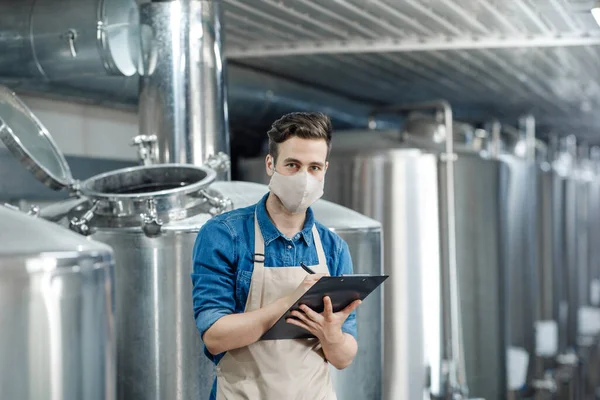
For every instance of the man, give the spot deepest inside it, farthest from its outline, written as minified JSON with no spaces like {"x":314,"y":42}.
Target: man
{"x":247,"y":274}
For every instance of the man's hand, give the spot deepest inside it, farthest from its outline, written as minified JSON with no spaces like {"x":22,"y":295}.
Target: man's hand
{"x":339,"y":347}
{"x":327,"y":326}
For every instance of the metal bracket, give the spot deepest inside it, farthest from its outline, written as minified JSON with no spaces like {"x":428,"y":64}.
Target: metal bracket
{"x":80,"y":225}
{"x":151,"y":224}
{"x":147,"y":148}
{"x":219,"y":162}
{"x":34,"y":211}
{"x":219,"y":204}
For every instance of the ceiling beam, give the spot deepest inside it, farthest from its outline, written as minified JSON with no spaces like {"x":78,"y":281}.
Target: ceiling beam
{"x":360,"y":46}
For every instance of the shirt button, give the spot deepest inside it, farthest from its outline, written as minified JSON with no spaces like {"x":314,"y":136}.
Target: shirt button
{"x":289,"y":246}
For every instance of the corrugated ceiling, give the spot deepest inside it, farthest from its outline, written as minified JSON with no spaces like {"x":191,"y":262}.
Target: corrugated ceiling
{"x":489,"y":58}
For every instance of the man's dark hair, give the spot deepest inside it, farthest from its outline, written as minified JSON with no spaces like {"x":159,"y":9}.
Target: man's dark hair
{"x":304,"y":125}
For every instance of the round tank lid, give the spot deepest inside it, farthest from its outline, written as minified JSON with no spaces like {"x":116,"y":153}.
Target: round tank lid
{"x":23,"y":235}
{"x":26,"y":137}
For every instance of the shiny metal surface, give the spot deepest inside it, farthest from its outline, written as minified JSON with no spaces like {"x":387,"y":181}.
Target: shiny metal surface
{"x":454,"y":382}
{"x":56,"y":313}
{"x":412,"y":334}
{"x":182,"y":91}
{"x":583,"y":179}
{"x":570,"y":269}
{"x":29,"y":141}
{"x":174,"y":189}
{"x":517,"y":222}
{"x":69,"y":38}
{"x":594,"y":220}
{"x":542,"y":52}
{"x":160,"y":353}
{"x":370,"y":172}
{"x":425,"y":131}
{"x":551,"y":323}
{"x":253,"y":98}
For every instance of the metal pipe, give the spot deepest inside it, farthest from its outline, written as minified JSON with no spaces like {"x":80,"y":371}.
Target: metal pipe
{"x":456,"y":374}
{"x":494,"y":129}
{"x":182,"y":93}
{"x":65,"y":39}
{"x":527,"y":127}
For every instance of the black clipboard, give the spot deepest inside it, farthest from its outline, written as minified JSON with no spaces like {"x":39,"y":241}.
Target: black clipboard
{"x":342,"y":290}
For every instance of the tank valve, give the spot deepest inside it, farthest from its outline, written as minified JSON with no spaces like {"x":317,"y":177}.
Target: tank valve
{"x":151,"y":224}
{"x":547,"y":384}
{"x":219,"y":162}
{"x":147,"y":149}
{"x":80,"y":225}
{"x":219,"y":204}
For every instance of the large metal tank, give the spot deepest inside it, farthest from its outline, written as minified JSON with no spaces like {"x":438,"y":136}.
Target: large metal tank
{"x":57,"y":324}
{"x":385,"y":175}
{"x":518,"y":206}
{"x":586,"y":315}
{"x":551,"y":324}
{"x":150,"y":216}
{"x":594,"y":266}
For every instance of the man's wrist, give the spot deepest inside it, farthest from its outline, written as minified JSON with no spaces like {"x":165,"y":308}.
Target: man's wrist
{"x":334,"y":340}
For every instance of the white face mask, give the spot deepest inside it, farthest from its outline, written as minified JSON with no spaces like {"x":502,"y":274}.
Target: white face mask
{"x":297,"y":192}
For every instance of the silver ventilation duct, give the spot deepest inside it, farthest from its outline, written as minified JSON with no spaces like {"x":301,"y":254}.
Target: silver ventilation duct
{"x":182,"y":93}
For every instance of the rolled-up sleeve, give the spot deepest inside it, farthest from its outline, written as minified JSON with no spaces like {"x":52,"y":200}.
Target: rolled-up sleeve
{"x":344,"y":267}
{"x":213,"y":274}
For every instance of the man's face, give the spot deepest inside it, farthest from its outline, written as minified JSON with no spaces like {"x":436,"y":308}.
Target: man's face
{"x":298,"y":155}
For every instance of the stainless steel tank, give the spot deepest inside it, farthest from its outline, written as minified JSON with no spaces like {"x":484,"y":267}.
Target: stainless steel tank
{"x":586,"y":315}
{"x":593,"y":376}
{"x":54,"y":40}
{"x":150,"y":216}
{"x":384,"y":175}
{"x":518,"y":206}
{"x":567,"y":221}
{"x":57,"y":326}
{"x":551,"y":322}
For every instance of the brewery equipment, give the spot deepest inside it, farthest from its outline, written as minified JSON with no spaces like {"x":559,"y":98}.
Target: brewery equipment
{"x":400,"y":178}
{"x":150,"y":216}
{"x":57,"y":321}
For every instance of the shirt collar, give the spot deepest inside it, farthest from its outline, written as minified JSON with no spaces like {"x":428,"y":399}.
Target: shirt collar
{"x":270,"y":231}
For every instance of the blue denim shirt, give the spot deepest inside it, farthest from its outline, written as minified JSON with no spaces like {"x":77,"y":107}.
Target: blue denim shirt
{"x":223,"y":264}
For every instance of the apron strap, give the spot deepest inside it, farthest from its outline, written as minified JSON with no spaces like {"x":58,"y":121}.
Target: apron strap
{"x":255,"y":294}
{"x":319,"y":246}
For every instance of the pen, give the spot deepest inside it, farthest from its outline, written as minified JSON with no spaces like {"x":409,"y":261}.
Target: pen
{"x":304,"y":267}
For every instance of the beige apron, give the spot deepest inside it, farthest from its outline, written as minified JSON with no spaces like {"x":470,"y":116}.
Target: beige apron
{"x":276,"y":369}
